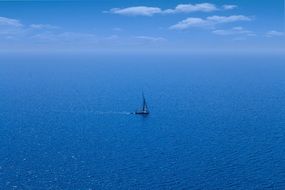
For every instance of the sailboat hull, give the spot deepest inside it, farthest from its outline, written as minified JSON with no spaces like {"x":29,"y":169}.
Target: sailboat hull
{"x":141,"y":113}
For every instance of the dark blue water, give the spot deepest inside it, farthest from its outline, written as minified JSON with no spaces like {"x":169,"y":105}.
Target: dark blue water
{"x":217,"y":122}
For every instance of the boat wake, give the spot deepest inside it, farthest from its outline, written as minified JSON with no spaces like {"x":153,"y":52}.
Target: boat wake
{"x":99,"y":112}
{"x":111,"y":113}
{"x":79,"y":112}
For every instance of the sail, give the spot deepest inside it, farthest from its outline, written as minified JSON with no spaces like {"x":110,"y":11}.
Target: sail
{"x":145,"y":108}
{"x":145,"y":105}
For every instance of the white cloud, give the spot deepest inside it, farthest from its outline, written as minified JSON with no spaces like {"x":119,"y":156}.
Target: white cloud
{"x":65,"y":37}
{"x":10,"y":27}
{"x":190,"y":22}
{"x":13,"y":28}
{"x":10,"y":22}
{"x":143,"y":41}
{"x":136,"y":11}
{"x":180,"y":8}
{"x":228,"y":19}
{"x":209,"y":21}
{"x":149,"y":11}
{"x":188,"y":8}
{"x":274,"y":33}
{"x":230,"y":7}
{"x":14,"y":34}
{"x":152,"y":39}
{"x":43,"y":26}
{"x":234,"y":31}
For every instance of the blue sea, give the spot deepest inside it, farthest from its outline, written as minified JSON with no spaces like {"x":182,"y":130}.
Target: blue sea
{"x":217,"y":121}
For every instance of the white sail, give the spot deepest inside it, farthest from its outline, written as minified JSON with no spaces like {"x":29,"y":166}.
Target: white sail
{"x":144,"y":109}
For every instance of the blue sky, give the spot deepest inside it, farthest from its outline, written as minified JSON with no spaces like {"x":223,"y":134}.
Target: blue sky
{"x":142,"y":25}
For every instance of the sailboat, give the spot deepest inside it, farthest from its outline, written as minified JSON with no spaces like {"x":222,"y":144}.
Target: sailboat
{"x":144,"y":110}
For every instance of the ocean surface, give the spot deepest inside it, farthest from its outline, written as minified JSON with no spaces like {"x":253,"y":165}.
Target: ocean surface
{"x":216,"y":122}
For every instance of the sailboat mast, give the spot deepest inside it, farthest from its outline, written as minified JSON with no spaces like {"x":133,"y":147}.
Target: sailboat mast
{"x":144,"y":109}
{"x":144,"y":103}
